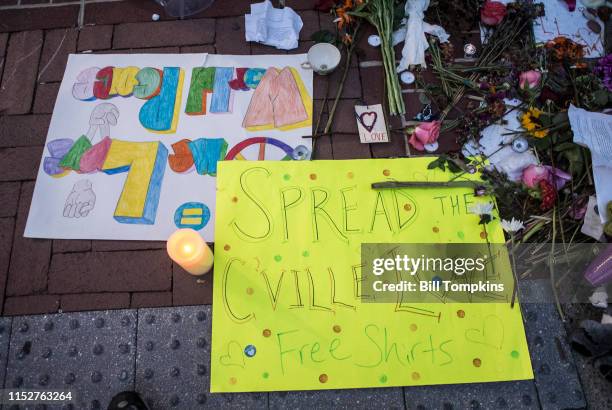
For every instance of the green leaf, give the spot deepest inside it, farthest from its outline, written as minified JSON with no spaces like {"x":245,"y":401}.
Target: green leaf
{"x":600,"y":98}
{"x":560,"y":118}
{"x":323,"y":36}
{"x":452,"y":167}
{"x":434,"y":164}
{"x":564,"y":146}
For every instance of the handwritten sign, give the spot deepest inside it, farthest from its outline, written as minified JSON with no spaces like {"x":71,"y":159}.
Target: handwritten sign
{"x":371,"y":123}
{"x":288,"y":282}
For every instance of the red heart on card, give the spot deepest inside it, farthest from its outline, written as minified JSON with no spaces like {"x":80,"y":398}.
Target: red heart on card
{"x":368,"y":120}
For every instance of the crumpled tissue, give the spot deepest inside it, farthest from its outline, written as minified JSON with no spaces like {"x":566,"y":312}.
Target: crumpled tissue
{"x":279,"y":28}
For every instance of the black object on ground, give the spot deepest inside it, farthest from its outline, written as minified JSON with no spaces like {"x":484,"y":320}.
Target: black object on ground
{"x":127,"y":400}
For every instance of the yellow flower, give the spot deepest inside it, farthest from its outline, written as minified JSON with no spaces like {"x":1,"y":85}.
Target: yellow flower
{"x":535,"y":113}
{"x":540,"y":134}
{"x":527,"y":123}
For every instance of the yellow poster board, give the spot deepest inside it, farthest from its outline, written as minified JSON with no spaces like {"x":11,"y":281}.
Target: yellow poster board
{"x":287,"y":312}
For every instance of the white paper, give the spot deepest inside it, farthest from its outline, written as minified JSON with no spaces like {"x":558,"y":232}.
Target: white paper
{"x":371,"y":123}
{"x":72,"y":117}
{"x":560,"y":22}
{"x":594,"y":130}
{"x":279,"y":28}
{"x":592,"y":225}
{"x":497,"y":147}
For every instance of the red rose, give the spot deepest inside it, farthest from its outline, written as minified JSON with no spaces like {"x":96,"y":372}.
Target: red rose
{"x":492,"y":13}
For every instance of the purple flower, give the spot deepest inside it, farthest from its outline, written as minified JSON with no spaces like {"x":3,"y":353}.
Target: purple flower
{"x":604,"y":70}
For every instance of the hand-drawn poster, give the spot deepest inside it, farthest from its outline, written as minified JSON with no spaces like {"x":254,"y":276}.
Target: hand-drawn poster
{"x":288,"y":282}
{"x":558,"y":21}
{"x":134,"y":140}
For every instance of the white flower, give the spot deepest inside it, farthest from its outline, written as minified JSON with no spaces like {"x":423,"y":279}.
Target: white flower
{"x":512,"y":226}
{"x":482,"y":208}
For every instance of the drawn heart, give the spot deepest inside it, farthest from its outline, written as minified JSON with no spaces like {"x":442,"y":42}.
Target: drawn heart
{"x":368,"y":120}
{"x":234,"y":356}
{"x":491,"y":334}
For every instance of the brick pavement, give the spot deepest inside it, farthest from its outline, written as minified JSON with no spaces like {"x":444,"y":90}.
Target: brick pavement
{"x":42,"y":276}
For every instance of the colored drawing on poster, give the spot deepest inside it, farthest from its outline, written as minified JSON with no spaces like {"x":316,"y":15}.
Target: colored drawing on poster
{"x":57,"y":150}
{"x":80,"y":201}
{"x":280,"y":101}
{"x":103,"y":84}
{"x":253,"y":77}
{"x":238,"y":83}
{"x":124,"y":81}
{"x":149,"y":83}
{"x":191,"y":106}
{"x":160,"y":113}
{"x":206,"y":152}
{"x":83,"y":88}
{"x":145,"y":163}
{"x":102,"y":117}
{"x":221,"y":97}
{"x":202,"y":81}
{"x":93,"y":159}
{"x":236,"y":151}
{"x":182,"y":159}
{"x":73,"y":158}
{"x":194,"y":215}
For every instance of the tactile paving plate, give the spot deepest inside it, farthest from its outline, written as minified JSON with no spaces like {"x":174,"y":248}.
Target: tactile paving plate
{"x":173,"y":362}
{"x":555,"y":372}
{"x":90,"y":353}
{"x":500,"y":395}
{"x":5,"y":335}
{"x":383,"y":398}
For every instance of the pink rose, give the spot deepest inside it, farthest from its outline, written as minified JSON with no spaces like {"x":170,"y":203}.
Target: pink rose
{"x":533,"y":174}
{"x":530,"y":79}
{"x":492,"y":13}
{"x":425,"y":133}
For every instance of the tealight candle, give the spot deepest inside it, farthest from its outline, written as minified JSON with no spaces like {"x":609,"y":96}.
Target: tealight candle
{"x":187,"y":248}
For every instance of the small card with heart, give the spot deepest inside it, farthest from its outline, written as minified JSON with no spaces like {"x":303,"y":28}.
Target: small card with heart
{"x":371,"y":123}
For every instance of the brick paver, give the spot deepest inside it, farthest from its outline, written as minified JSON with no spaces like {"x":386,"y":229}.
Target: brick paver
{"x":23,"y":130}
{"x":150,"y":299}
{"x":95,"y":301}
{"x":31,"y":305}
{"x":95,"y":38}
{"x":44,"y":101}
{"x":6,"y":239}
{"x":58,"y":44}
{"x":230,"y":35}
{"x":30,"y":257}
{"x":190,"y":290}
{"x":39,"y":18}
{"x":165,"y":33}
{"x":20,"y":69}
{"x":18,"y":164}
{"x":66,"y":246}
{"x":110,"y":272}
{"x":3,"y":43}
{"x":9,"y":198}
